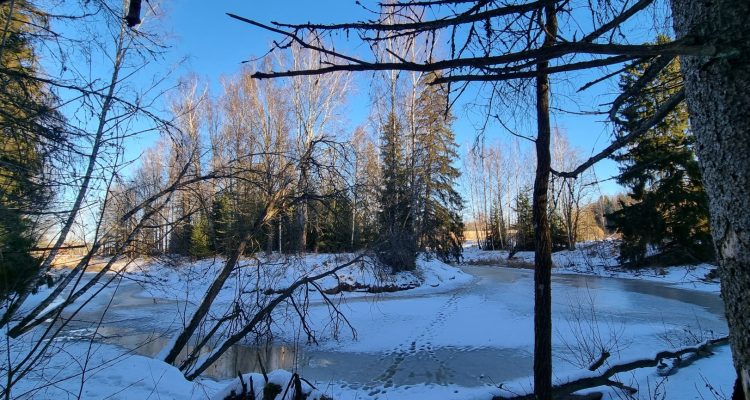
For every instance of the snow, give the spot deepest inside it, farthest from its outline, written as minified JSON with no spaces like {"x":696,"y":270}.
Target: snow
{"x":284,"y":380}
{"x":599,"y":258}
{"x":187,"y":281}
{"x":110,"y":373}
{"x":453,"y":333}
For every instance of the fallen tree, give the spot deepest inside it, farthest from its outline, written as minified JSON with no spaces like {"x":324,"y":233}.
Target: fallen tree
{"x":667,"y":362}
{"x":195,"y":364}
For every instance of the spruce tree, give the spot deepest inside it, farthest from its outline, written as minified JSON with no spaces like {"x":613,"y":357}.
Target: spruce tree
{"x":497,"y":237}
{"x":524,"y":226}
{"x":30,"y":136}
{"x":179,"y":239}
{"x":222,"y":217}
{"x":670,"y":208}
{"x":557,"y":230}
{"x":440,"y":228}
{"x":397,"y":244}
{"x":333,"y":221}
{"x":200,"y":239}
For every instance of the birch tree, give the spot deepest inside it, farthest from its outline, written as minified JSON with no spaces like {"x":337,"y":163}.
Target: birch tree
{"x":316,"y":104}
{"x":707,"y":33}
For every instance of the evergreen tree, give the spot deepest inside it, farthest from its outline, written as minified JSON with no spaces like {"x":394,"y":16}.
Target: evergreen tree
{"x":222,"y":218}
{"x":179,"y":239}
{"x":200,"y":241}
{"x":17,"y":265}
{"x":333,"y":224}
{"x":524,"y":226}
{"x":440,"y":228}
{"x":557,"y":229}
{"x":30,"y":136}
{"x":670,"y":208}
{"x":397,"y":247}
{"x":497,"y":236}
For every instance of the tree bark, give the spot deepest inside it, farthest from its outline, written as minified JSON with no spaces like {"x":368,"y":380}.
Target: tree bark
{"x":302,"y":210}
{"x":718,"y":98}
{"x":542,"y":234}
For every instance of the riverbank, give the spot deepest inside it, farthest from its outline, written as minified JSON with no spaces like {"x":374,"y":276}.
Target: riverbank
{"x":599,"y":258}
{"x":462,"y":334}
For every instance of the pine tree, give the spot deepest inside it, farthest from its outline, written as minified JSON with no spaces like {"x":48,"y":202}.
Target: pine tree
{"x":670,"y":208}
{"x":440,"y":228}
{"x":397,"y":247}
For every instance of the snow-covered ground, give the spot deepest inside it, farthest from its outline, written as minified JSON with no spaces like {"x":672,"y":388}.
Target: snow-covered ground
{"x":187,"y":281}
{"x":600,"y":258}
{"x":457,"y":333}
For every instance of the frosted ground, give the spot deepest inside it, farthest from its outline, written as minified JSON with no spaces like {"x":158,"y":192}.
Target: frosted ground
{"x":461,"y":332}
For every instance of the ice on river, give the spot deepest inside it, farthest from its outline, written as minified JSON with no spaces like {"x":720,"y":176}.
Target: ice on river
{"x":462,"y":333}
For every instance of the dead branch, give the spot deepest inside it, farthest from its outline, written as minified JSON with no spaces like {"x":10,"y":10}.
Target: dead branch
{"x":422,"y":26}
{"x":563,"y":390}
{"x":648,"y":75}
{"x":599,"y":361}
{"x":620,"y":142}
{"x":218,"y":283}
{"x":264,"y":313}
{"x":683,"y":47}
{"x":482,"y":77}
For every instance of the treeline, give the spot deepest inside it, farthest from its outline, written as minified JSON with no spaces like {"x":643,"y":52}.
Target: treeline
{"x":269,"y":161}
{"x":500,"y":190}
{"x":661,"y":220}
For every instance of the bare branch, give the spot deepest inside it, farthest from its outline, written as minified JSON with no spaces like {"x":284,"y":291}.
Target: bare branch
{"x":620,"y":142}
{"x":541,"y":54}
{"x":424,"y":25}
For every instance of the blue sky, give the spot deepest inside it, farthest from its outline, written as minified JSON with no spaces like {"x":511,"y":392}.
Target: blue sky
{"x":214,"y":44}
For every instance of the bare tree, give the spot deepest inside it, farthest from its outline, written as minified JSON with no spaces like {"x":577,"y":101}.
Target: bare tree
{"x":569,"y":193}
{"x":100,"y":106}
{"x":260,"y":160}
{"x":316,"y":103}
{"x":98,"y":138}
{"x":493,"y":42}
{"x":365,"y":185}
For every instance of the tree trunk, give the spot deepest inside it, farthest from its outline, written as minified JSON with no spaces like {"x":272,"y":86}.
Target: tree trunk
{"x":302,"y":213}
{"x":542,"y":235}
{"x":718,"y":98}
{"x":198,"y":317}
{"x":270,"y":228}
{"x":501,"y":220}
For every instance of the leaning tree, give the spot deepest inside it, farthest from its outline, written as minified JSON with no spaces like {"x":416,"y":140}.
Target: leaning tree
{"x":512,"y":46}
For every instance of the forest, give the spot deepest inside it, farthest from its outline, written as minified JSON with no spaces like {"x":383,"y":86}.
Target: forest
{"x":364,"y":187}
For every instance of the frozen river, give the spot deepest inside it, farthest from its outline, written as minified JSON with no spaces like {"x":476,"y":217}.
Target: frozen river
{"x":479,"y":334}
